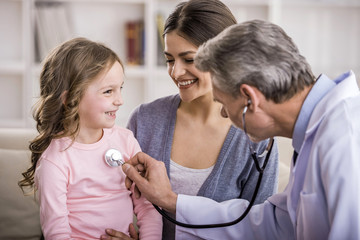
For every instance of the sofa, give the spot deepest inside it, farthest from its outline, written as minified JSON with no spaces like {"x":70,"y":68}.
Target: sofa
{"x":19,"y":214}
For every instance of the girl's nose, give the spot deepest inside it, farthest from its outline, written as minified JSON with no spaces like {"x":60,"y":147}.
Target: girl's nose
{"x":118,"y":101}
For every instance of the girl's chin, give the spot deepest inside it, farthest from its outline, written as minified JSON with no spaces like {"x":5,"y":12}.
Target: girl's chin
{"x":109,"y":124}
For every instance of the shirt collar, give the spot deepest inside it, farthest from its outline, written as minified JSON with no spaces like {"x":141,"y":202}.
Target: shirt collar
{"x":321,"y":87}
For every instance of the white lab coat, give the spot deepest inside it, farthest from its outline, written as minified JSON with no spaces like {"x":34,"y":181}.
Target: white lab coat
{"x":322,"y":198}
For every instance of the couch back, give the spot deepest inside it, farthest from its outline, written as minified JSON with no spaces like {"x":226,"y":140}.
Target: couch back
{"x":16,"y":138}
{"x":19,"y":214}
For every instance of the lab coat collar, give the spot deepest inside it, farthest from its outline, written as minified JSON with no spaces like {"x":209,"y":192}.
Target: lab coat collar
{"x":346,"y":87}
{"x":321,"y":87}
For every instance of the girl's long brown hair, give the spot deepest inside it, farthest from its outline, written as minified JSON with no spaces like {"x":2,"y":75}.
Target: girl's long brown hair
{"x":67,"y":71}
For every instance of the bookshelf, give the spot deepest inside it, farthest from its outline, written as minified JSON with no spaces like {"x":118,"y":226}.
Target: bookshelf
{"x":327,"y":33}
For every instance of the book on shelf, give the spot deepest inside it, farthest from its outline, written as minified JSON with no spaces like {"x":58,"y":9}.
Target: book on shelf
{"x":52,"y":27}
{"x":135,"y":42}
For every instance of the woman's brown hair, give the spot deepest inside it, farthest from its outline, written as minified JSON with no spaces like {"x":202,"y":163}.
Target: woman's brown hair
{"x":199,"y":20}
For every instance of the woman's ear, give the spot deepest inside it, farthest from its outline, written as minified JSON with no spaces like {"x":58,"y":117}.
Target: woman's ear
{"x":63,"y":97}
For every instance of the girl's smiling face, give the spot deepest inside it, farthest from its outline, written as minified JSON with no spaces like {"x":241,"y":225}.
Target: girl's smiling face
{"x":101,"y":100}
{"x":179,"y":54}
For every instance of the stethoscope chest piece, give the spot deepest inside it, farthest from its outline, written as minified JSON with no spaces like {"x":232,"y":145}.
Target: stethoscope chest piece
{"x":114,"y":158}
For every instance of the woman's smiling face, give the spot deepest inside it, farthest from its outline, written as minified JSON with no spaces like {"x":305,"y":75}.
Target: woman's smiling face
{"x":179,"y":54}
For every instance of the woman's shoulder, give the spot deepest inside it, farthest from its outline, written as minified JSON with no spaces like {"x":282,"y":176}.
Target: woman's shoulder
{"x":155,"y":111}
{"x":236,"y":134}
{"x":160,"y":103}
{"x":237,"y":140}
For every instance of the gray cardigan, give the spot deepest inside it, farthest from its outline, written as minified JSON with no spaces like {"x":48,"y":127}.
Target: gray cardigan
{"x":234,"y":174}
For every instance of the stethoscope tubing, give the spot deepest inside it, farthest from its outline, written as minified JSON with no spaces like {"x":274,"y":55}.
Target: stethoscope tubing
{"x":247,"y":210}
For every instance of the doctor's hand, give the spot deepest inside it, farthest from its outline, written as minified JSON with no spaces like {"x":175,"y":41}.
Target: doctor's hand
{"x":151,"y":181}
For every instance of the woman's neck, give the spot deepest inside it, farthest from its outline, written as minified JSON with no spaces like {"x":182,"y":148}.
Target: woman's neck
{"x":203,"y":109}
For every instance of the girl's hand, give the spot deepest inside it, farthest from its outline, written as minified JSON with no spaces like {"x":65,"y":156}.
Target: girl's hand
{"x":113,"y":234}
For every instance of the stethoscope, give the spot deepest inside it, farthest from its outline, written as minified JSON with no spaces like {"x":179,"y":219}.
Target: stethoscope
{"x":114,"y":158}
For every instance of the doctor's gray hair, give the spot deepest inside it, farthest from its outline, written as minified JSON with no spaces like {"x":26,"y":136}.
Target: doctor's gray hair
{"x":257,"y":53}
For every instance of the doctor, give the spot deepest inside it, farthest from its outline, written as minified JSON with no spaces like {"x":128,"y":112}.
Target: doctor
{"x":256,"y":65}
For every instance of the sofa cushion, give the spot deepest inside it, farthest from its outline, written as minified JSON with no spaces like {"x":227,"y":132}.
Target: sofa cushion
{"x":19,"y":214}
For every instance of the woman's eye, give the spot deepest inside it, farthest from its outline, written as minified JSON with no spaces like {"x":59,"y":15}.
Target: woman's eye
{"x":108,"y":91}
{"x":169,"y":60}
{"x":189,"y":60}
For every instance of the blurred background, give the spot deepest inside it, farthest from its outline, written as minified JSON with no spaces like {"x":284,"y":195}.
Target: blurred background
{"x":327,"y":33}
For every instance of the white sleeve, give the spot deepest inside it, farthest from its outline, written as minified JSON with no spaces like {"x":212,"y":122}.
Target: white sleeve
{"x":269,"y":220}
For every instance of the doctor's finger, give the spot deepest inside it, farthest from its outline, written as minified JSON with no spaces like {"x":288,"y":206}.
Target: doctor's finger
{"x":137,"y":192}
{"x":141,"y":159}
{"x":128,"y":182}
{"x":139,"y":167}
{"x":134,"y":176}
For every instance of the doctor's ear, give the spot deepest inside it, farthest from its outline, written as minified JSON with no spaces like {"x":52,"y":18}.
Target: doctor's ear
{"x":250,"y":95}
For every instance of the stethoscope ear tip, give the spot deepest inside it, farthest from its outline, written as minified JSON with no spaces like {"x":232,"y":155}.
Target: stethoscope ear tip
{"x":114,"y":158}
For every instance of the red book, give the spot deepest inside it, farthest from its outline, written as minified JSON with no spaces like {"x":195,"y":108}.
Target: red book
{"x":131,"y":43}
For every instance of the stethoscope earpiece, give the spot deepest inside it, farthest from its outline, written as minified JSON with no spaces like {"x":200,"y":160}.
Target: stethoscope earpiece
{"x":114,"y":158}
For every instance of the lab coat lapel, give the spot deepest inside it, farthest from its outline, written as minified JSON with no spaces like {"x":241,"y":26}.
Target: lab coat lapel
{"x":298,"y":176}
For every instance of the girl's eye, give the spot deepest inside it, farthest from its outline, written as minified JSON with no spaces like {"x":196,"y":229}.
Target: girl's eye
{"x":189,"y":60}
{"x":108,"y":91}
{"x":169,"y":60}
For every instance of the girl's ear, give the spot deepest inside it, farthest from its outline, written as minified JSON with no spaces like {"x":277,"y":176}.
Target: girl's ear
{"x":64,"y":97}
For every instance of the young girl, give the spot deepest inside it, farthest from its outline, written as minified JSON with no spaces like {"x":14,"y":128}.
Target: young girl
{"x":80,"y":195}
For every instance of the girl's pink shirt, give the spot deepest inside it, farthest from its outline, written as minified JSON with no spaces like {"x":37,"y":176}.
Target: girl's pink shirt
{"x":80,"y":195}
